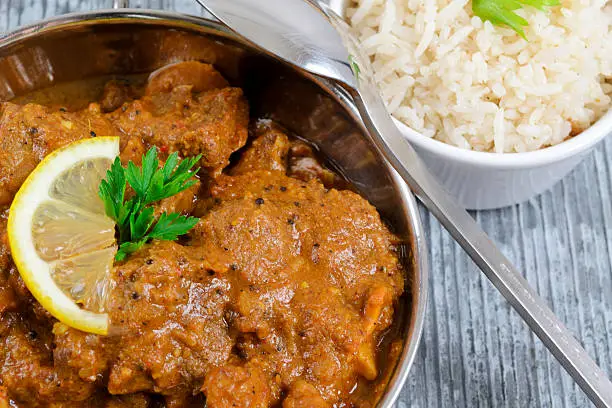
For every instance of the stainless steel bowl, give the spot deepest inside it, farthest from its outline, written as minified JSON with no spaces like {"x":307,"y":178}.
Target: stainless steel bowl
{"x":79,"y":46}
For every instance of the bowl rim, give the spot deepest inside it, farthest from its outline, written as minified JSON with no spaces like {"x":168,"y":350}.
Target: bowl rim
{"x":419,"y":279}
{"x":573,"y":146}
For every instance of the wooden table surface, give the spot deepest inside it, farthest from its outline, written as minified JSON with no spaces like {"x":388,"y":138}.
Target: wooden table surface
{"x":476,"y":351}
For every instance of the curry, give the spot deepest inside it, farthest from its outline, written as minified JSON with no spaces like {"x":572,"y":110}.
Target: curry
{"x":283,"y":295}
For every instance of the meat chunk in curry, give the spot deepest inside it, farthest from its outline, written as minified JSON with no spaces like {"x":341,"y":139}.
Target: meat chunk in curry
{"x":202,"y":116}
{"x":28,"y":133}
{"x":279,"y":297}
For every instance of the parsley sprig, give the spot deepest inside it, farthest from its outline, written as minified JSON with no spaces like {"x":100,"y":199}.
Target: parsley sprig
{"x":501,"y":12}
{"x":135,"y":219}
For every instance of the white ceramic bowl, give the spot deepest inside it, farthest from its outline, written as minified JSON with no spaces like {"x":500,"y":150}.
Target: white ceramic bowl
{"x":482,"y":180}
{"x":490,"y":180}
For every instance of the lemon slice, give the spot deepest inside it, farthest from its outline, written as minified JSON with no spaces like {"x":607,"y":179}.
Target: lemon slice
{"x":61,"y":240}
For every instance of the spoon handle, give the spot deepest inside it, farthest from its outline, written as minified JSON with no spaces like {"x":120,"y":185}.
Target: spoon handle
{"x":481,"y":249}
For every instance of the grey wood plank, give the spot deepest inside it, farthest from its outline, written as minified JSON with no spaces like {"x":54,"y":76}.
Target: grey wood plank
{"x":476,"y":352}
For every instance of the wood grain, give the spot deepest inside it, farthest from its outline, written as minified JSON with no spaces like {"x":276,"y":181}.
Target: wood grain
{"x":476,"y":352}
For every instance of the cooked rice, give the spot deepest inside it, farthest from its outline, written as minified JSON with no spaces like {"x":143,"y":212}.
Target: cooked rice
{"x":453,"y":77}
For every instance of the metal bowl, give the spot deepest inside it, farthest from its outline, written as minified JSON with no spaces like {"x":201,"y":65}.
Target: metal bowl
{"x":120,"y":42}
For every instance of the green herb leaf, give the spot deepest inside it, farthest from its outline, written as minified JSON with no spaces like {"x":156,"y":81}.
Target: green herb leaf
{"x":170,"y":227}
{"x":541,"y":4}
{"x":354,"y":66}
{"x":170,"y":165}
{"x":501,"y":12}
{"x":135,"y":219}
{"x":140,"y":179}
{"x":123,"y":222}
{"x":112,"y":190}
{"x":140,"y":223}
{"x":128,"y":248}
{"x":173,"y":181}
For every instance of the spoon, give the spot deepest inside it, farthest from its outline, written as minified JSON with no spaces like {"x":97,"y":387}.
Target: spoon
{"x":310,"y":36}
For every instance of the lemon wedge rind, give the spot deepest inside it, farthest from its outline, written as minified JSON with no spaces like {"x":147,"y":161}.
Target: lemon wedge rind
{"x":35,"y":271}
